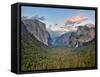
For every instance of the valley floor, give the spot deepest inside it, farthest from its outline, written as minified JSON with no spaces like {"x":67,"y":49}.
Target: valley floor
{"x":57,"y":58}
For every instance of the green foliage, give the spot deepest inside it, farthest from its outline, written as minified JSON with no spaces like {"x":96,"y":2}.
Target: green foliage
{"x":37,"y":56}
{"x":71,"y":57}
{"x":32,"y":57}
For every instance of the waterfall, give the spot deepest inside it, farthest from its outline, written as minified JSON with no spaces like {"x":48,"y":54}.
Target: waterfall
{"x":77,"y":44}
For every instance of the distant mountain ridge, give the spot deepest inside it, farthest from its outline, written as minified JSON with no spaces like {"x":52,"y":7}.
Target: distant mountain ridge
{"x":83,"y":35}
{"x":63,"y":40}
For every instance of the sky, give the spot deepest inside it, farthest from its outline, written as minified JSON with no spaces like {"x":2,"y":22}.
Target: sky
{"x":57,"y":19}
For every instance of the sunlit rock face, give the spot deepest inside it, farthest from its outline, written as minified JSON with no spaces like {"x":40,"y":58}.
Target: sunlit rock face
{"x":38,"y":29}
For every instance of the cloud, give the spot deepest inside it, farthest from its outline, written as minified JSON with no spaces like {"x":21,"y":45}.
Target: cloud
{"x":76,"y":19}
{"x":68,"y":28}
{"x":62,"y":29}
{"x":42,"y":18}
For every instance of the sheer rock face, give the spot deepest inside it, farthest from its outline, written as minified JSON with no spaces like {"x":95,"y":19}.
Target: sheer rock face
{"x":83,"y":35}
{"x":37,"y":29}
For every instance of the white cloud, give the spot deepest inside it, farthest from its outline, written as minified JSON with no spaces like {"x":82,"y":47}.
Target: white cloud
{"x":62,"y":28}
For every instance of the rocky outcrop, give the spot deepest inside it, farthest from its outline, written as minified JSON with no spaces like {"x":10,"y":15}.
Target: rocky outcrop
{"x":37,"y":29}
{"x":83,"y":36}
